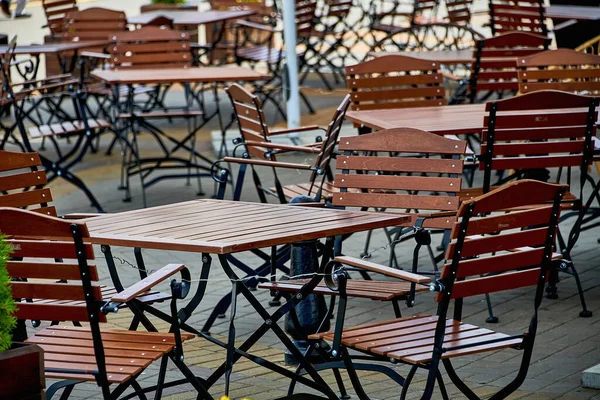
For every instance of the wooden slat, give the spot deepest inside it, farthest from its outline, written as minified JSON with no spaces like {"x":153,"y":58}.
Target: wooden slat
{"x":147,"y":283}
{"x":488,"y":244}
{"x":23,"y":180}
{"x":512,"y":220}
{"x":108,"y":344}
{"x":399,"y":164}
{"x":394,"y":182}
{"x":558,"y":73}
{"x":89,"y":368}
{"x":113,"y":361}
{"x":455,"y":338}
{"x":572,"y":86}
{"x":398,"y":104}
{"x":538,"y":133}
{"x":28,"y":198}
{"x":89,"y":351}
{"x":393,"y":272}
{"x":387,"y":81}
{"x":50,"y":312}
{"x":392,"y":94}
{"x":446,"y":203}
{"x":497,"y":283}
{"x":10,"y":161}
{"x":58,"y":291}
{"x":505,"y":163}
{"x":422,"y":358}
{"x":537,"y":148}
{"x":47,"y":249}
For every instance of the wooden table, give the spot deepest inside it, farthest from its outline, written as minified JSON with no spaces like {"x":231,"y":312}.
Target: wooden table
{"x":444,"y":57}
{"x":446,"y":120}
{"x":214,"y":76}
{"x":578,"y":13}
{"x":225,"y":227}
{"x":187,"y":18}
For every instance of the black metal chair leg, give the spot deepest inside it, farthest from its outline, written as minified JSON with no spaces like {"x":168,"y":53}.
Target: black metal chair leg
{"x":407,"y":381}
{"x":585,"y":313}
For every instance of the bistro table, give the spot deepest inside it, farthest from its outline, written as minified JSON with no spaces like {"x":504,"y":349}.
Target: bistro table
{"x":443,"y":57}
{"x":188,"y":18}
{"x":35,"y":50}
{"x":214,"y":76}
{"x":225,"y":227}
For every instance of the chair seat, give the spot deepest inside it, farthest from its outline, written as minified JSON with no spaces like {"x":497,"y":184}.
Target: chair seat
{"x":109,"y":291}
{"x":127,"y":352}
{"x":411,"y":339}
{"x":66,"y":128}
{"x":374,"y":290}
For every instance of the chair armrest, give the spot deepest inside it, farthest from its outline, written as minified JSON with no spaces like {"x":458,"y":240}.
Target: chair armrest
{"x":255,"y":25}
{"x":147,"y":283}
{"x":440,"y":214}
{"x":271,"y":145}
{"x":295,"y":130}
{"x":266,"y":163}
{"x":91,"y":54}
{"x":81,"y":215}
{"x":394,"y":273}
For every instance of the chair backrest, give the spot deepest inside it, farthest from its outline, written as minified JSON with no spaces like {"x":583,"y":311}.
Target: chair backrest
{"x":544,"y":129}
{"x":260,"y":6}
{"x":562,"y":69}
{"x":394,"y":12}
{"x":38,"y":240}
{"x":21,"y":182}
{"x":511,"y":249}
{"x":495,"y":61}
{"x":305,"y":18}
{"x":150,"y":47}
{"x":459,"y":11}
{"x":424,"y":157}
{"x":518,"y":15}
{"x":93,"y":24}
{"x":324,"y":157}
{"x":250,"y":118}
{"x":395,"y":81}
{"x":55,"y":11}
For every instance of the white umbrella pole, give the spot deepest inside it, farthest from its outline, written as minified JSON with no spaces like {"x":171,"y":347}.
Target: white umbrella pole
{"x":289,"y":37}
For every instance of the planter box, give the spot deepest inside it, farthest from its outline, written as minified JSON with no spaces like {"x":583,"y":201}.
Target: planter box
{"x":22,"y":373}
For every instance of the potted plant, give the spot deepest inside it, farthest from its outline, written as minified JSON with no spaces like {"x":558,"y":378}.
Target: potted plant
{"x":168,"y":5}
{"x":21,"y":364}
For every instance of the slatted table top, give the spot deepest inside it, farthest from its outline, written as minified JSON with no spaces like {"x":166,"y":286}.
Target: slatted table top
{"x":446,"y":120}
{"x":445,"y":57}
{"x":580,"y":13}
{"x":190,"y":17}
{"x":223,"y":227}
{"x":36,"y":49}
{"x":177,"y":75}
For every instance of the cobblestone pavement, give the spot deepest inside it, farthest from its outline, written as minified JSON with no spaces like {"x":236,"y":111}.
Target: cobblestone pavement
{"x":566,"y":344}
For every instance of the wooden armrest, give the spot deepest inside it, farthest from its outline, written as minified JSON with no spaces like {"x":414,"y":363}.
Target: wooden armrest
{"x":147,"y":283}
{"x":81,"y":215}
{"x":271,"y":145}
{"x":266,"y":163}
{"x":92,"y":54}
{"x":255,"y":25}
{"x":395,"y":273}
{"x":298,"y":129}
{"x":441,"y":214}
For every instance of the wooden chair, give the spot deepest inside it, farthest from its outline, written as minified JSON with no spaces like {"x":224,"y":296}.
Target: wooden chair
{"x":494,"y":70}
{"x":75,"y":355}
{"x":59,"y":125}
{"x":427,"y":193}
{"x":22,"y":185}
{"x":260,"y":151}
{"x":484,"y":241}
{"x":459,"y":11}
{"x":55,"y":11}
{"x":394,"y":81}
{"x":532,"y":134}
{"x":518,"y":15}
{"x":562,"y":69}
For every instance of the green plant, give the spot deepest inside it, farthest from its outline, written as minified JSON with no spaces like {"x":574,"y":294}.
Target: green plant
{"x":7,"y":304}
{"x":168,"y":1}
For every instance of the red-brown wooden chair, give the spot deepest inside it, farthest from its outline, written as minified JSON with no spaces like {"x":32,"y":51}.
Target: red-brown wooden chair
{"x":518,"y":15}
{"x":75,"y":355}
{"x":535,"y":134}
{"x":484,"y":241}
{"x":55,"y":11}
{"x":260,"y":151}
{"x":22,"y":185}
{"x":494,"y":71}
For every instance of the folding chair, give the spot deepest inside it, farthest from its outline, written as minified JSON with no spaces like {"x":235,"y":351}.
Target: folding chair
{"x":515,"y":250}
{"x":530,"y":134}
{"x":87,"y":354}
{"x":256,"y":43}
{"x":55,"y":11}
{"x":77,"y":126}
{"x":22,"y":185}
{"x":494,"y":71}
{"x":394,"y":81}
{"x":260,"y":151}
{"x":459,"y":11}
{"x":517,"y":15}
{"x":427,"y":193}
